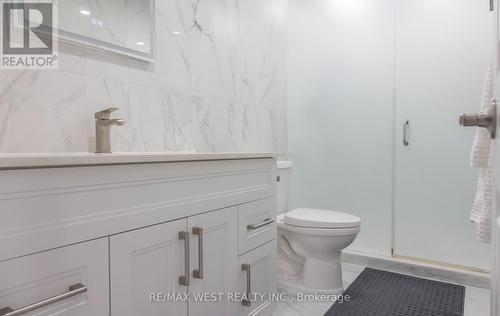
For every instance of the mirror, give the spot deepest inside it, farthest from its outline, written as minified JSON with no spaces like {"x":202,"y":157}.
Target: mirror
{"x":121,"y":26}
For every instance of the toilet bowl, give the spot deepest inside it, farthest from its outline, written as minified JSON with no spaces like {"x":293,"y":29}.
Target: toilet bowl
{"x":310,"y":242}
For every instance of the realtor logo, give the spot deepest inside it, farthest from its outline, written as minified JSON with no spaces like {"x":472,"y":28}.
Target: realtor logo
{"x":28,"y":35}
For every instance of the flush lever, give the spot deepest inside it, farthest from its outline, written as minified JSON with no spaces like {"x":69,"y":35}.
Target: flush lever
{"x":486,"y":120}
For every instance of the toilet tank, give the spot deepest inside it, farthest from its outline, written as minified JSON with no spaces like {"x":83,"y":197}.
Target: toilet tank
{"x":284,"y":172}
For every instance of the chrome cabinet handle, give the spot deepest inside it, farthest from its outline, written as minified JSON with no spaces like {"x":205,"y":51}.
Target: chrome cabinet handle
{"x":184,"y":279}
{"x":74,"y":289}
{"x":405,"y":133}
{"x":198,"y":273}
{"x":267,"y":221}
{"x":246,"y":267}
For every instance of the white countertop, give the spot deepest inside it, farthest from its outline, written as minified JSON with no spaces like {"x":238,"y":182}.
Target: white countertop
{"x":36,"y":160}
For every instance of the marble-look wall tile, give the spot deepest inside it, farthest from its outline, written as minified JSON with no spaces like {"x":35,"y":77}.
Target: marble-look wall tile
{"x":36,"y":116}
{"x":218,"y":84}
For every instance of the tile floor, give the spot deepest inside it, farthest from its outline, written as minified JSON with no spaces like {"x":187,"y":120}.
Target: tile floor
{"x":477,"y":300}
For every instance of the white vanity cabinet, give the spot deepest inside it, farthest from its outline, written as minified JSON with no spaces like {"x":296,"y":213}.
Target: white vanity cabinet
{"x":132,"y":239}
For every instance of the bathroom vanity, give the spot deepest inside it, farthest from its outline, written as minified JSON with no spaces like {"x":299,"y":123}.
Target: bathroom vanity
{"x":121,"y":234}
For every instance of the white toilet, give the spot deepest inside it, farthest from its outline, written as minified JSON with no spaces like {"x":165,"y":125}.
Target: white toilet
{"x":310,"y":242}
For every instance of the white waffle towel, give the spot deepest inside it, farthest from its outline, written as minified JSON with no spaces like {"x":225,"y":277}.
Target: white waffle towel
{"x":482,"y":158}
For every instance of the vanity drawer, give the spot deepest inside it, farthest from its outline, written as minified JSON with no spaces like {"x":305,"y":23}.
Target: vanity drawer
{"x":256,"y":222}
{"x":71,"y":280}
{"x":258,"y":275}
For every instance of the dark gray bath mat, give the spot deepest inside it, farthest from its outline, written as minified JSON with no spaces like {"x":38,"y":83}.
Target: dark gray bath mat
{"x":382,"y":293}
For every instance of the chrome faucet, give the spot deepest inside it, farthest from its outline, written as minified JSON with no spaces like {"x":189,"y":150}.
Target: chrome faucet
{"x":103,"y":124}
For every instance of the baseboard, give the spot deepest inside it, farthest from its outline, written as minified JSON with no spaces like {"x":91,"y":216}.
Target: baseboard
{"x":420,"y":268}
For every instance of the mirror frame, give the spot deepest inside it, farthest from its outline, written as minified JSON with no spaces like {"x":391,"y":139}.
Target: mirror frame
{"x":74,"y":38}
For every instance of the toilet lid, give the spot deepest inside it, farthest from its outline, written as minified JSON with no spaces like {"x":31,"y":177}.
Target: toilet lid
{"x":315,"y":218}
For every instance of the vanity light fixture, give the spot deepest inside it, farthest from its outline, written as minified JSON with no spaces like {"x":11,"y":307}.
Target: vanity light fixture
{"x":140,"y":43}
{"x":84,"y":12}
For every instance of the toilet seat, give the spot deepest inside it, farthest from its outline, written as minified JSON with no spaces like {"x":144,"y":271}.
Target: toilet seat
{"x":323,"y":219}
{"x":348,"y":231}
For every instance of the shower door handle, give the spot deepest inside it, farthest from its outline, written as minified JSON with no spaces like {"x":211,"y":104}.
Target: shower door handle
{"x":486,"y":120}
{"x":405,"y":133}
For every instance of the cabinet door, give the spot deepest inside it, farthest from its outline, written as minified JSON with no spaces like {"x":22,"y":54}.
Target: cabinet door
{"x":257,"y":274}
{"x":144,"y":262}
{"x":218,"y":262}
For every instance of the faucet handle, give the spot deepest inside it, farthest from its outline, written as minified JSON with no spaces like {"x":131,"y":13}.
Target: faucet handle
{"x":105,"y":114}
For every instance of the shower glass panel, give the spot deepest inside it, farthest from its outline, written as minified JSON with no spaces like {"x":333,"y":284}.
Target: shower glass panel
{"x":340,"y":111}
{"x":442,"y":54}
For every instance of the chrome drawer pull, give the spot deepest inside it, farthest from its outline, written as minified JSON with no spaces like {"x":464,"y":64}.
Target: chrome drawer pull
{"x":267,"y":221}
{"x":246,"y":267}
{"x":74,"y":289}
{"x":198,"y":273}
{"x":184,"y":279}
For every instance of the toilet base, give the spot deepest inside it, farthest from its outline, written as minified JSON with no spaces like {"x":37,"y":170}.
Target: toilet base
{"x":323,"y":273}
{"x":293,"y":288}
